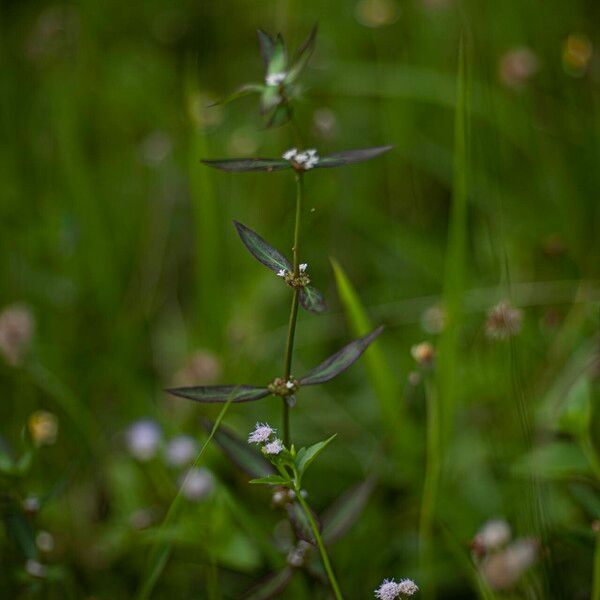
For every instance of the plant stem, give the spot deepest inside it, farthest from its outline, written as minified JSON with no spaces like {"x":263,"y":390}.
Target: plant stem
{"x":324,"y":556}
{"x":589,"y":450}
{"x":430,"y":485}
{"x":596,"y":575}
{"x":289,"y":345}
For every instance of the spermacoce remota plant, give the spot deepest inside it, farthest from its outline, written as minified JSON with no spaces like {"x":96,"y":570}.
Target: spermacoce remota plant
{"x":286,"y":465}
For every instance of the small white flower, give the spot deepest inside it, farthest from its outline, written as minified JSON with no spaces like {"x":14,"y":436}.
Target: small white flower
{"x":303,"y":267}
{"x":281,"y":273}
{"x":197,"y":484}
{"x":493,"y":535}
{"x":36,"y":569}
{"x":407,"y":587}
{"x":181,"y":450}
{"x":289,"y":385}
{"x":275,"y":79}
{"x":274,"y":447}
{"x":390,"y":590}
{"x":143,"y":438}
{"x":262,"y":433}
{"x":291,"y":153}
{"x":44,"y":541}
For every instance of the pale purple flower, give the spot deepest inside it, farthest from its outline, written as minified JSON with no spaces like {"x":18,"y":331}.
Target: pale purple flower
{"x":262,"y":433}
{"x":197,"y":484}
{"x":181,"y":450}
{"x":390,"y":589}
{"x":305,"y":160}
{"x":143,"y":439}
{"x":274,"y":447}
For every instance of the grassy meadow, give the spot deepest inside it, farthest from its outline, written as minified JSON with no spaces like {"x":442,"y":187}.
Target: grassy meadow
{"x":467,"y":455}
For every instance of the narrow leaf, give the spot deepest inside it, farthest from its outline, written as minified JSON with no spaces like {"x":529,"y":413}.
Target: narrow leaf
{"x":306,"y":455}
{"x":261,"y":250}
{"x":271,"y":480}
{"x":344,"y":512}
{"x":303,"y":55}
{"x":244,"y":90}
{"x":239,"y":452}
{"x":271,"y":586}
{"x":349,"y":157}
{"x":221,"y":393}
{"x":312,"y":300}
{"x":269,"y":99}
{"x":300,"y":523}
{"x":282,"y":114}
{"x":340,"y":361}
{"x":278,"y":61}
{"x":248,"y":164}
{"x":266,"y":44}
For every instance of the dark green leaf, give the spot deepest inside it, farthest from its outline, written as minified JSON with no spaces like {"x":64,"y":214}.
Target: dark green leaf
{"x":300,"y":523}
{"x":221,"y":393}
{"x":261,"y":250}
{"x":271,"y":586}
{"x":312,"y":300}
{"x":248,"y":164}
{"x":344,"y":512}
{"x":352,"y":156}
{"x":302,"y":56}
{"x":340,"y":361}
{"x":278,"y":61}
{"x":306,"y":456}
{"x":239,"y":452}
{"x":266,"y":44}
{"x":271,"y":480}
{"x":244,"y":90}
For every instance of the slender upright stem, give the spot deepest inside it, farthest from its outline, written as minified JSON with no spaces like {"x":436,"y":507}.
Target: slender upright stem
{"x":596,"y":572}
{"x":289,"y":345}
{"x":324,"y":556}
{"x":431,"y":483}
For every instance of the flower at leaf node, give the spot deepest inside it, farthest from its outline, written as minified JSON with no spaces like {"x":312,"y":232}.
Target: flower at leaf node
{"x":275,"y":79}
{"x":303,"y":267}
{"x":303,"y":161}
{"x":274,"y":447}
{"x":261,"y":434}
{"x":281,"y":273}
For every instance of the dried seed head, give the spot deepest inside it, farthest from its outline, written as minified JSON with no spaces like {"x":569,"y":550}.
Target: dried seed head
{"x":43,"y":428}
{"x":504,"y":321}
{"x":281,"y":387}
{"x":262,"y":433}
{"x":16,"y":331}
{"x":424,"y":354}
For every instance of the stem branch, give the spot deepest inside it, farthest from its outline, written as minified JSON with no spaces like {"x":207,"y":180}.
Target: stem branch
{"x":289,"y":345}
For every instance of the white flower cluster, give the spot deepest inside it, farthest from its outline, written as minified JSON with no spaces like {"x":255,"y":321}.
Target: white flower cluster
{"x":302,"y":268}
{"x":390,"y":589}
{"x":305,"y":160}
{"x":274,"y":79}
{"x":264,"y":434}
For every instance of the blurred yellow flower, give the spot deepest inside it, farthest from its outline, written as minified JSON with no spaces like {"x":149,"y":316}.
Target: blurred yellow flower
{"x":43,"y":428}
{"x":376,"y":13}
{"x":577,"y":53}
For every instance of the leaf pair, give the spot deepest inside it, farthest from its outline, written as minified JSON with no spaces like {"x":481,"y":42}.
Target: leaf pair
{"x":338,"y":159}
{"x":327,"y":370}
{"x":310,"y":298}
{"x":280,"y":76}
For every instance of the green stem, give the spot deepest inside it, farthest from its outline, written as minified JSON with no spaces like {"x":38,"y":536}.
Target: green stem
{"x":596,"y":575}
{"x":431,"y":483}
{"x":289,"y":345}
{"x":324,"y":556}
{"x":589,"y":450}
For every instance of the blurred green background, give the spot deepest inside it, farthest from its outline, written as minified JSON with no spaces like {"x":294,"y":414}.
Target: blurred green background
{"x":121,"y":274}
